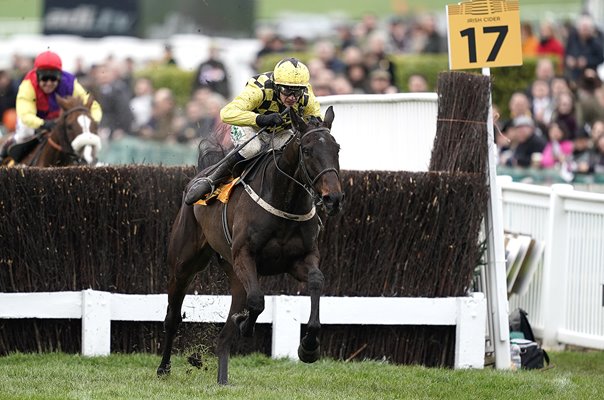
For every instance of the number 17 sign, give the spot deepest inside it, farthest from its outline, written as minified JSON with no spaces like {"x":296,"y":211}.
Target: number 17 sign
{"x":484,"y":33}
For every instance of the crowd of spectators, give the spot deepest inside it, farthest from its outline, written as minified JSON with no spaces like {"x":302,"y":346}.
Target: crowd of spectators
{"x":556,"y":122}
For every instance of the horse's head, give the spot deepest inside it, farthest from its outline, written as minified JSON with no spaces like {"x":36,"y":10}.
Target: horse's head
{"x":319,"y":160}
{"x":76,"y":130}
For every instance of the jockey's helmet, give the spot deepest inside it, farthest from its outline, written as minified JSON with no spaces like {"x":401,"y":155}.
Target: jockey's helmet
{"x":48,"y":60}
{"x":291,"y":72}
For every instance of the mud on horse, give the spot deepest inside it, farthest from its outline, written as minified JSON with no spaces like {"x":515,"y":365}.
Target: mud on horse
{"x":273,"y":226}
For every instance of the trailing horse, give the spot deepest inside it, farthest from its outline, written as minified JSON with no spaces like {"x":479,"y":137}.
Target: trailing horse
{"x":269,"y":226}
{"x":73,"y":140}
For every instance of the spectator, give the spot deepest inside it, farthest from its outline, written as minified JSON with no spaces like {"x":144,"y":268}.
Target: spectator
{"x":559,"y":147}
{"x":417,"y":83}
{"x":168,"y":56}
{"x":142,"y":103}
{"x":344,"y":37}
{"x":161,"y":126}
{"x":341,"y":85}
{"x":433,"y":40}
{"x":379,"y":82}
{"x":549,"y":45}
{"x":358,"y":77}
{"x":542,"y":105}
{"x":597,"y":129}
{"x":8,"y":90}
{"x":519,"y":105}
{"x":587,"y":97}
{"x":530,"y":43}
{"x":597,"y":164}
{"x":558,"y":85}
{"x":567,"y":111}
{"x":528,"y":142}
{"x":376,"y":57}
{"x":584,"y":48}
{"x":213,"y":74}
{"x":114,"y":97}
{"x":582,"y":153}
{"x":398,"y":36}
{"x":326,"y":52}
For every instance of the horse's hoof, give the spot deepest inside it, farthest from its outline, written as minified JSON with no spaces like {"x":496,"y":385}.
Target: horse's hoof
{"x":309,"y":355}
{"x":240,"y":321}
{"x":163,"y":370}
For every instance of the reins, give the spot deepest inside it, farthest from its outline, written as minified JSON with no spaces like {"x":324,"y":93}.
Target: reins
{"x":47,"y":137}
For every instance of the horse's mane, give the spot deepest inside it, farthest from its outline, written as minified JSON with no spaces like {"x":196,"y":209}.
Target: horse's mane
{"x":211,"y":151}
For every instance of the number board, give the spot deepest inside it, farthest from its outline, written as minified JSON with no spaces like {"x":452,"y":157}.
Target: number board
{"x":484,"y":33}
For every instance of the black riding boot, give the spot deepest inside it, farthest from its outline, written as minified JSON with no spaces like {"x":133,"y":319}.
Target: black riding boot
{"x":4,"y":149}
{"x":203,"y":185}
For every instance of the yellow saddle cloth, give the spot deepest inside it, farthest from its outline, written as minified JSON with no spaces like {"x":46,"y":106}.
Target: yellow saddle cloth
{"x":222,"y":193}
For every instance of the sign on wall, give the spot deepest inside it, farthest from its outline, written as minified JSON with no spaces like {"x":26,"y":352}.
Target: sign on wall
{"x":484,"y":33}
{"x":89,"y":18}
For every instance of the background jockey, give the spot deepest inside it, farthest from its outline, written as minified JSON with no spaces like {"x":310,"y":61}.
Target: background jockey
{"x":37,"y":107}
{"x":259,"y":105}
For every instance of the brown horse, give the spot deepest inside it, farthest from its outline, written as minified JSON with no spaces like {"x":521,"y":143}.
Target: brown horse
{"x":73,"y":140}
{"x":269,"y":227}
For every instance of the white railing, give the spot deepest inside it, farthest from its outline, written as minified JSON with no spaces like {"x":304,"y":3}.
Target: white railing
{"x":565,"y":299}
{"x":286,"y":313}
{"x":384,"y":132}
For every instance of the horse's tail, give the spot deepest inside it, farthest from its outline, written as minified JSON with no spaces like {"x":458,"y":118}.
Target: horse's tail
{"x":211,"y":150}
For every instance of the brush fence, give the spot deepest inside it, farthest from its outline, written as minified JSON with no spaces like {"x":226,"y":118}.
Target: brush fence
{"x":286,"y":314}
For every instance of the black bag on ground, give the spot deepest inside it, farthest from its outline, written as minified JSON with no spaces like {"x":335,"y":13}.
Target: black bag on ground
{"x":532,"y":356}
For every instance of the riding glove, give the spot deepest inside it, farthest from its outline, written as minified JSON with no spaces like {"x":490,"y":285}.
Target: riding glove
{"x":269,"y":120}
{"x":48,"y":125}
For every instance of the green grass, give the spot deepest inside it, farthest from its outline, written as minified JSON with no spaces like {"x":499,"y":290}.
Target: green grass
{"x":62,"y":376}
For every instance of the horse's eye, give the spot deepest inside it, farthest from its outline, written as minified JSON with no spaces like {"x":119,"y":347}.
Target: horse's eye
{"x":306,"y":152}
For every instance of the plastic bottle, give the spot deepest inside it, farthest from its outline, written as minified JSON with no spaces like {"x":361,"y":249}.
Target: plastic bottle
{"x":515,"y":355}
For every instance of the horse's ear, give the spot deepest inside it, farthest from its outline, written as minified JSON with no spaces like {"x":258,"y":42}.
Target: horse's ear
{"x":89,"y":102}
{"x":297,"y":121}
{"x":329,"y":116}
{"x":62,"y":102}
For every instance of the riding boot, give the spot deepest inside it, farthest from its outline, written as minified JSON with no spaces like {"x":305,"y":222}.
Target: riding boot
{"x":203,"y":185}
{"x":4,"y":149}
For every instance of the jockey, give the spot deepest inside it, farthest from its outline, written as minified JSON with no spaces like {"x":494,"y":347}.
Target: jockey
{"x":37,"y":107}
{"x":260,"y":105}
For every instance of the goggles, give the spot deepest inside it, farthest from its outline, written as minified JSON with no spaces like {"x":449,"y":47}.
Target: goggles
{"x":48,"y":75}
{"x":292,"y":90}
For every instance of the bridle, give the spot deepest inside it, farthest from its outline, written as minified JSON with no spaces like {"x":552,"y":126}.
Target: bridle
{"x":310,"y":181}
{"x":69,"y":152}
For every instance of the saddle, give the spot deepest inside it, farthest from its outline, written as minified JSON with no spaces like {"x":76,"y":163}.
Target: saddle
{"x":244,"y":169}
{"x":18,"y":151}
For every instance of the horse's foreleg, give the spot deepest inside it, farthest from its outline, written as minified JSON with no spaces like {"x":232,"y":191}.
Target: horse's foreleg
{"x":308,"y":271}
{"x":230,"y":330}
{"x":245,"y":268}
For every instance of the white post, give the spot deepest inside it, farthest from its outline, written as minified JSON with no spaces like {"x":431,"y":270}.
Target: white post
{"x":286,"y":327}
{"x":495,"y":268}
{"x":554,"y":268}
{"x":470,"y":331}
{"x":96,"y":323}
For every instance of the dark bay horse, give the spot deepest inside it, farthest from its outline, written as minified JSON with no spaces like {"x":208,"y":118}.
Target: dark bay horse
{"x":73,"y":140}
{"x":274,"y":229}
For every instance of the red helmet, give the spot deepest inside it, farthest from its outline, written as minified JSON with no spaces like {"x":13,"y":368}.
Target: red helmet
{"x":48,"y":60}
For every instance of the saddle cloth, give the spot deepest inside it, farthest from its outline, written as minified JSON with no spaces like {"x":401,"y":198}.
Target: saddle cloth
{"x":221,"y":193}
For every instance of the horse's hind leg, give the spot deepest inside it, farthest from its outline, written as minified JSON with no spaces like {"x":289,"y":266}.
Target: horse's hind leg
{"x":230,"y":329}
{"x":186,"y":256}
{"x":308,"y":271}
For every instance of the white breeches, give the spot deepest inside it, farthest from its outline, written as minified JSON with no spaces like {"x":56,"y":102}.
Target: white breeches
{"x":23,"y":132}
{"x":264,"y":141}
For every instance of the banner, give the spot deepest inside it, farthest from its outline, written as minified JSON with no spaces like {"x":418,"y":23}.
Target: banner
{"x":89,"y":18}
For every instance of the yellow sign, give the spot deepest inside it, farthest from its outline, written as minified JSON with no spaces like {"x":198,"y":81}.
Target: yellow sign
{"x":484,"y":33}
